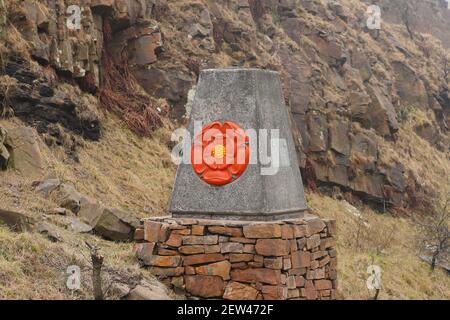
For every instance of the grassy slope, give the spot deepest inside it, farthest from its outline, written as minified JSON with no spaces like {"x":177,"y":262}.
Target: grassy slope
{"x":121,"y":171}
{"x":387,"y":241}
{"x":124,"y":171}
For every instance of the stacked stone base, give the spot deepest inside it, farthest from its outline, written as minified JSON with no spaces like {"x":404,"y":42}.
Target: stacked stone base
{"x":283,"y":260}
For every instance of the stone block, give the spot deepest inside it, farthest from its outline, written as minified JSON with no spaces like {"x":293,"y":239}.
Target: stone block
{"x":301,"y":259}
{"x":221,"y":269}
{"x":204,"y":286}
{"x":238,"y":291}
{"x":262,"y":231}
{"x":202,"y":259}
{"x":272,"y":247}
{"x":188,"y":250}
{"x":200,"y":240}
{"x":227,"y":231}
{"x":273,"y":263}
{"x":231,"y":247}
{"x":267,"y":276}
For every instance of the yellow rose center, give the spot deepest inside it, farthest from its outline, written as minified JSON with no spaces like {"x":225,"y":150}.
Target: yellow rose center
{"x":219,"y":151}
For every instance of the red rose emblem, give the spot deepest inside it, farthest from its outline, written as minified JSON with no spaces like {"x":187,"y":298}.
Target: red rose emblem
{"x":220,"y":153}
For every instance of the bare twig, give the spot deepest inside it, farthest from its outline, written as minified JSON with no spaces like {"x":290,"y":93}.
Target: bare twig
{"x":97,"y":263}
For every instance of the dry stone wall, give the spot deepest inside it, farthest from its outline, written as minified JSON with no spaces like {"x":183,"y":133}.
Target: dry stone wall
{"x":285,"y":260}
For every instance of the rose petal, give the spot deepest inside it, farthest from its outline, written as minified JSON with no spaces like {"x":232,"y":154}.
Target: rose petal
{"x":219,"y":177}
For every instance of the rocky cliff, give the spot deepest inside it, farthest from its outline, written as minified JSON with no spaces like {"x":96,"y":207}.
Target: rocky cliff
{"x":91,"y":90}
{"x":349,"y":88}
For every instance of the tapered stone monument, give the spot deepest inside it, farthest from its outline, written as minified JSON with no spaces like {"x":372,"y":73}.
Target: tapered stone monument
{"x":267,"y":185}
{"x":238,"y":229}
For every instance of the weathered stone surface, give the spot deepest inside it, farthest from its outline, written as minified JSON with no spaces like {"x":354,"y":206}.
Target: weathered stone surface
{"x":175,"y":240}
{"x":231,"y":247}
{"x":287,"y":232}
{"x":234,"y":258}
{"x":80,"y":227}
{"x":257,"y":275}
{"x":221,"y":269}
{"x":243,"y":240}
{"x":148,"y":291}
{"x":188,"y":240}
{"x":116,"y":225}
{"x":46,"y":187}
{"x":205,"y":286}
{"x":249,"y":248}
{"x":327,"y":243}
{"x":151,"y":230}
{"x":90,"y":211}
{"x":212,"y":249}
{"x":301,"y":259}
{"x":313,"y":242}
{"x":191,"y":249}
{"x":162,"y":261}
{"x":4,"y":153}
{"x":300,"y":231}
{"x":244,"y":199}
{"x":198,"y":230}
{"x":315,"y":225}
{"x":202,"y":259}
{"x":275,"y":292}
{"x":139,"y":234}
{"x":238,"y":291}
{"x":262,"y":230}
{"x":27,"y":155}
{"x":68,"y":197}
{"x":16,"y":221}
{"x":272,"y":247}
{"x":145,"y":250}
{"x":273,"y":263}
{"x":167,"y":252}
{"x":323,"y":284}
{"x":227,"y":231}
{"x":410,"y":87}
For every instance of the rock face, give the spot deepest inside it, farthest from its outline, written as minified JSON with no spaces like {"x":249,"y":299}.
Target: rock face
{"x":290,"y":259}
{"x":19,"y":149}
{"x":345,"y":85}
{"x":34,"y":99}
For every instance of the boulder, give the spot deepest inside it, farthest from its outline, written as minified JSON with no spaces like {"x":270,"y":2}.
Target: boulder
{"x":67,"y":197}
{"x":49,"y":231}
{"x":80,"y":227}
{"x":90,"y":211}
{"x":46,"y":187}
{"x":148,"y":291}
{"x":16,"y":221}
{"x":27,"y":156}
{"x":116,"y":225}
{"x":4,"y":153}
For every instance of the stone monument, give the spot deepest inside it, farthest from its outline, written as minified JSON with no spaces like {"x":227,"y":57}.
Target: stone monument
{"x":238,"y":228}
{"x":252,"y":100}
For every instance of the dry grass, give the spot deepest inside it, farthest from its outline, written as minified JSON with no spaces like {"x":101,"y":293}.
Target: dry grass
{"x":32,"y":267}
{"x":429,"y":166}
{"x":121,"y":170}
{"x":384,"y":240}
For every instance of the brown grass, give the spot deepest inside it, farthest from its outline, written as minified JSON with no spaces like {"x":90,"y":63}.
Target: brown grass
{"x":121,"y":94}
{"x":383,"y":240}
